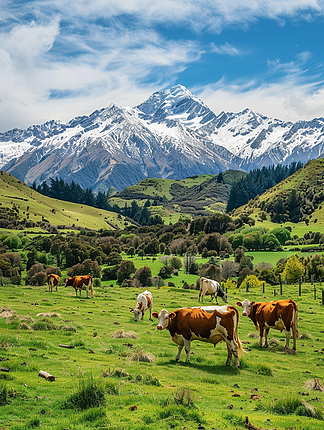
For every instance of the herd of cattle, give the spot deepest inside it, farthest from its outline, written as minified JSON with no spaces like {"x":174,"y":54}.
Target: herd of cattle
{"x":210,"y":324}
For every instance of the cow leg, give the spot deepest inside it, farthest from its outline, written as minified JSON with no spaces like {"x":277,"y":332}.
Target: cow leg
{"x":187,"y":348}
{"x":287,"y":332}
{"x":266,"y":331}
{"x":229,"y":354}
{"x":261,"y":335}
{"x":179,"y":352}
{"x":151,"y":314}
{"x":294,"y":338}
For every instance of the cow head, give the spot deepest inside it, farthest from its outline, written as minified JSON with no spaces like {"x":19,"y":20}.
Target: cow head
{"x":224,"y":297}
{"x":246,"y":305}
{"x":136,"y":312}
{"x":164,"y":318}
{"x":67,"y":280}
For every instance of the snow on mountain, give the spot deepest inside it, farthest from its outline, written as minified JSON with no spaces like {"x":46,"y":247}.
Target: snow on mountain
{"x":171,"y":134}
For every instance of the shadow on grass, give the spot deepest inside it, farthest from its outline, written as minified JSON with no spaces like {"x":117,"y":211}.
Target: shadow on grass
{"x":209,"y":368}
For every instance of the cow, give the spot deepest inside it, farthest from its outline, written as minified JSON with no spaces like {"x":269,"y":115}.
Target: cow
{"x":80,"y":283}
{"x":144,"y":302}
{"x":209,"y":287}
{"x":279,"y":314}
{"x":210,"y":325}
{"x":52,"y":281}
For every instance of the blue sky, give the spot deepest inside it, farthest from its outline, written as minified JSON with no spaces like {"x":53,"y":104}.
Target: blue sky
{"x":59,"y":58}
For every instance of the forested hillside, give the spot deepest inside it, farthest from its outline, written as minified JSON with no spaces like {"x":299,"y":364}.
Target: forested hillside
{"x":257,"y":182}
{"x":298,"y":198}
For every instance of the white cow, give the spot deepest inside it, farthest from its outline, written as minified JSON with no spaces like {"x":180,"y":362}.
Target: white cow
{"x":209,"y":287}
{"x":144,"y":302}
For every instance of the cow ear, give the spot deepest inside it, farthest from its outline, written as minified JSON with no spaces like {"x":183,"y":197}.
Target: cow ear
{"x":252,"y":303}
{"x":131,"y":310}
{"x":239,"y":304}
{"x":155,"y":314}
{"x":172,"y":315}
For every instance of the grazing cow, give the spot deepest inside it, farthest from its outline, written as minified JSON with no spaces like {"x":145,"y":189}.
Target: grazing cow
{"x":280,"y":315}
{"x":52,"y":281}
{"x":212,"y":326}
{"x":209,"y":287}
{"x":144,"y":302}
{"x":80,"y":283}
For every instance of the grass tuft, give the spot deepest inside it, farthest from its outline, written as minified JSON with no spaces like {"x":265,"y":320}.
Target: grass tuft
{"x":89,"y":395}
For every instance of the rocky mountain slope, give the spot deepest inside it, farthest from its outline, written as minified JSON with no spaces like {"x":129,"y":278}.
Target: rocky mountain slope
{"x":172,"y":134}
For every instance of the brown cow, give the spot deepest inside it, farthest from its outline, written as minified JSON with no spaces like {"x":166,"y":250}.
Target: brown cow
{"x":188,"y":324}
{"x":280,"y":315}
{"x":80,"y":283}
{"x":52,"y":281}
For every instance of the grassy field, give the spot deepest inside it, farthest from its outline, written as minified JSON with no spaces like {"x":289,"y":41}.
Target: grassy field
{"x":35,"y":207}
{"x":161,"y":394}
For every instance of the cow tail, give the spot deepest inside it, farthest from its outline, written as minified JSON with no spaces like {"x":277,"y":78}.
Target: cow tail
{"x":240,"y":350}
{"x":91,"y":286}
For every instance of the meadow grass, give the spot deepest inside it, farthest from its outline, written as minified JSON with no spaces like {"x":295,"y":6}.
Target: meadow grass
{"x":137,"y":394}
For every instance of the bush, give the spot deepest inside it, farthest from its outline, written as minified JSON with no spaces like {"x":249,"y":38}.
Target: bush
{"x":166,"y":272}
{"x":96,"y":283}
{"x":109,"y":273}
{"x":144,"y":276}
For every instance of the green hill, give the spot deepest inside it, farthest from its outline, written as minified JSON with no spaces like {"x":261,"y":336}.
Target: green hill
{"x":193,"y":196}
{"x":297,"y":200}
{"x":20,"y":203}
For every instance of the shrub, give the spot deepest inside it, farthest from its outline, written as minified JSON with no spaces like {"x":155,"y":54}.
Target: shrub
{"x":165,"y":272}
{"x":96,"y":283}
{"x":109,"y":273}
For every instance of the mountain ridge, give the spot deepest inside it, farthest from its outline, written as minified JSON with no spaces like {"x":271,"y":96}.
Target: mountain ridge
{"x":172,"y":134}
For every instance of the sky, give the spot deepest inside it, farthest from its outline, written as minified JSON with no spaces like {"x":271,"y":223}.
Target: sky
{"x":60,"y":59}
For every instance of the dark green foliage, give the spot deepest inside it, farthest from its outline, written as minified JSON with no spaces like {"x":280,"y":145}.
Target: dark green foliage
{"x":126,"y":269}
{"x":4,"y":397}
{"x":144,"y":276}
{"x":166,"y":272}
{"x":74,"y":193}
{"x":109,"y":273}
{"x":257,"y":182}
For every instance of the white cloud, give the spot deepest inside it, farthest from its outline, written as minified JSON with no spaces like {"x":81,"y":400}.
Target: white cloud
{"x":287,"y":100}
{"x":225,"y":49}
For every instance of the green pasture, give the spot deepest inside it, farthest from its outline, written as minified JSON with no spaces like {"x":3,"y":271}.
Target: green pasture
{"x":33,"y":206}
{"x":272,"y":388}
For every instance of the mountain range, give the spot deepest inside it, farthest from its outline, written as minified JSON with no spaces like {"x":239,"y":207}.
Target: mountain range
{"x":172,"y":134}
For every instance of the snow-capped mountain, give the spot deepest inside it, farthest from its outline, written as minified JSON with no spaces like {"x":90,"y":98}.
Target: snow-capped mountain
{"x":171,"y":134}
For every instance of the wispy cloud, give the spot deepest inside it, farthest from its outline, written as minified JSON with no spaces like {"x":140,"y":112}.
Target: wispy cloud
{"x":226,"y":49}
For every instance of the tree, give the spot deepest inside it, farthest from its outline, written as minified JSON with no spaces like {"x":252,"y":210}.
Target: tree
{"x":175,"y":262}
{"x":126,"y":269}
{"x":144,"y":276}
{"x":294,"y":269}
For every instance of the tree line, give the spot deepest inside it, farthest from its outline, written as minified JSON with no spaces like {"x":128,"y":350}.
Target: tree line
{"x":257,"y":182}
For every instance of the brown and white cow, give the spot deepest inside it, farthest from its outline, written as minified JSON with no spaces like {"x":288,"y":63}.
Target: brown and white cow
{"x":209,"y":287}
{"x":52,"y":281}
{"x":80,"y":283}
{"x":279,"y":314}
{"x":212,"y":326}
{"x":144,"y":302}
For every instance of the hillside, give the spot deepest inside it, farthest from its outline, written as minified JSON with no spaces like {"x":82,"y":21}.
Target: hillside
{"x":194,"y":196}
{"x":19,"y":202}
{"x":296,"y":200}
